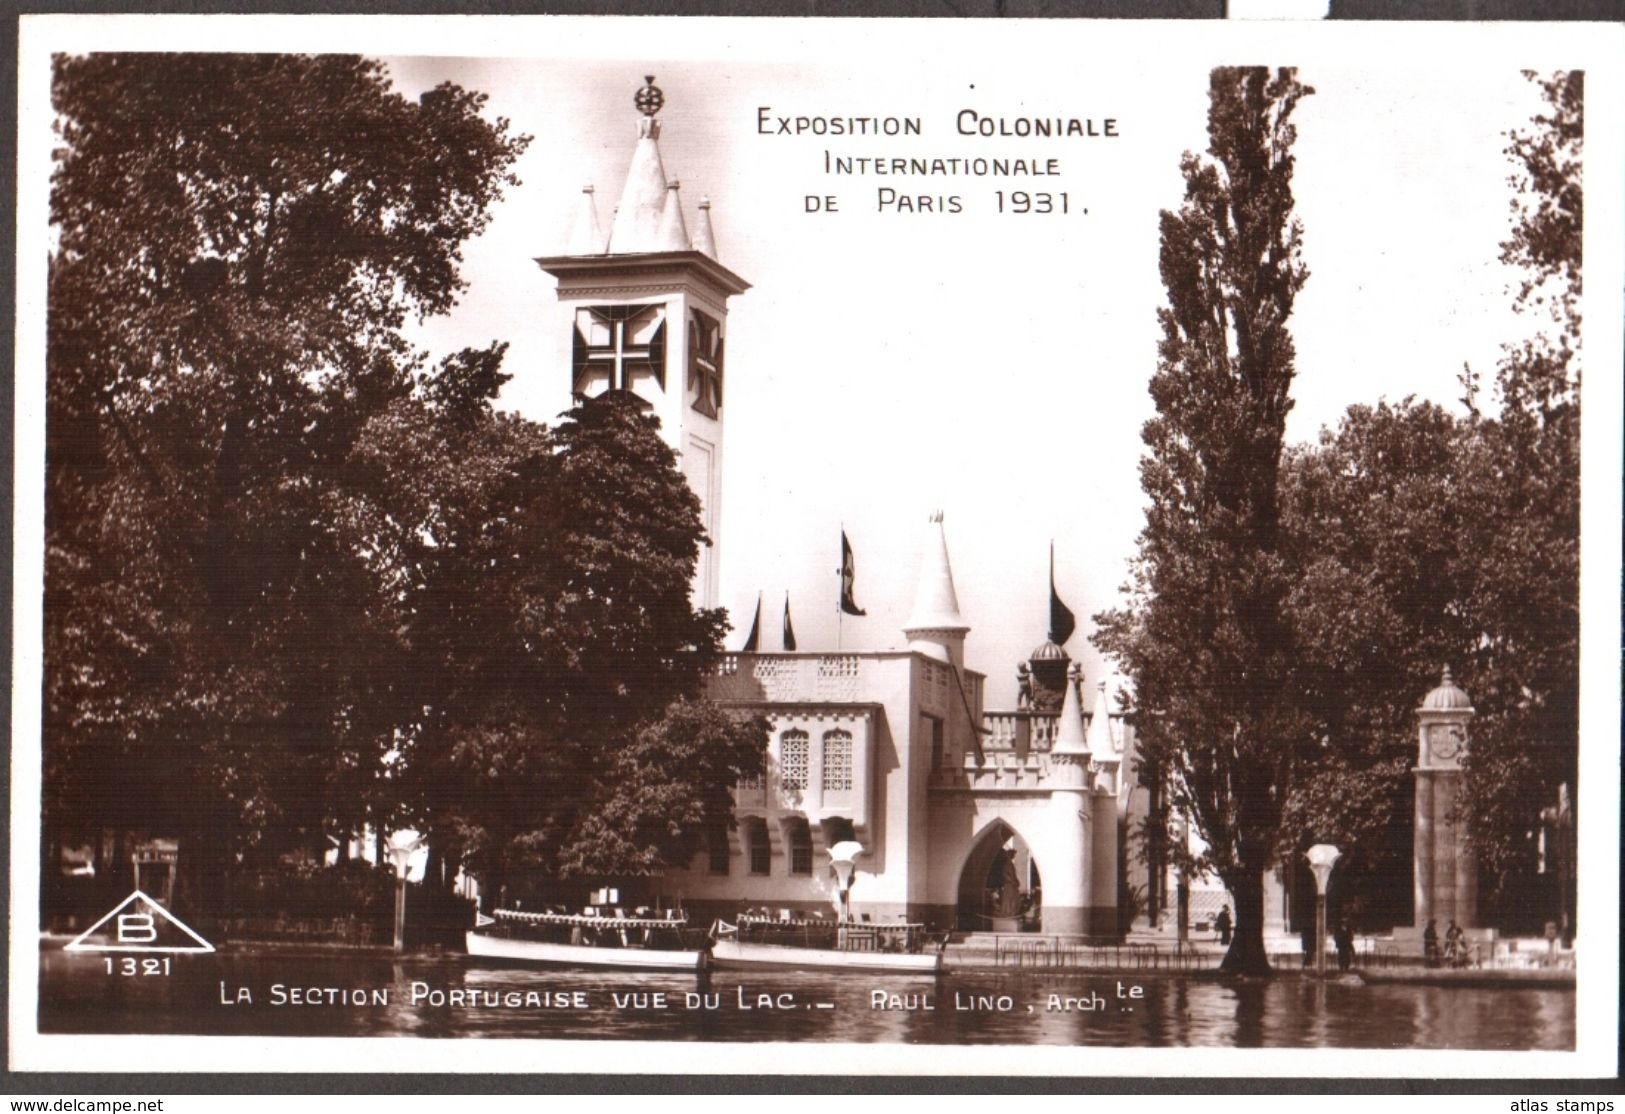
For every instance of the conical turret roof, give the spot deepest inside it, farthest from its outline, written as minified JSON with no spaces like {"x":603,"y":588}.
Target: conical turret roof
{"x":705,"y":240}
{"x":1069,"y":733}
{"x":587,"y":236}
{"x":936,"y":604}
{"x":1101,"y":744}
{"x":643,"y":198}
{"x":673,"y":234}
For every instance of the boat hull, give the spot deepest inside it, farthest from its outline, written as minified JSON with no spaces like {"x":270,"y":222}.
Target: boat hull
{"x":732,"y":953}
{"x":482,"y":946}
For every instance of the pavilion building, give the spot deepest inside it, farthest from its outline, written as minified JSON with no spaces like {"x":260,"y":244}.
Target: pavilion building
{"x":969,"y":818}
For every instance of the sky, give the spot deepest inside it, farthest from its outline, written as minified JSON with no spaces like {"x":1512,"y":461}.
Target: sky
{"x":888,"y":364}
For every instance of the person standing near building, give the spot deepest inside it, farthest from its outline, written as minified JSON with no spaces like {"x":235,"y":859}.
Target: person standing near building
{"x":1344,"y":939}
{"x":1222,"y":924}
{"x":1455,"y":952}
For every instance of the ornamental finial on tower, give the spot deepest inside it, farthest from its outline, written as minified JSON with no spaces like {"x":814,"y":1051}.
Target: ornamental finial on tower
{"x":649,"y":99}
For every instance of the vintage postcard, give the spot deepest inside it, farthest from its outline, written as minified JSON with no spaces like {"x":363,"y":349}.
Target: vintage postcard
{"x":906,"y":547}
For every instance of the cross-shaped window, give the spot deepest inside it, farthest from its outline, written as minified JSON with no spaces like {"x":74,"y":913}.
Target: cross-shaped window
{"x":705,"y":363}
{"x":617,"y":346}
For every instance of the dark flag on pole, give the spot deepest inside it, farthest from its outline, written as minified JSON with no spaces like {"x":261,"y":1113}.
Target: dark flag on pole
{"x":755,"y":629}
{"x":789,"y":631}
{"x":848,"y":571}
{"x":1061,"y":620}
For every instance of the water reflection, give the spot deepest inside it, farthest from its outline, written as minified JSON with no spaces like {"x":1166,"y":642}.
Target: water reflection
{"x":291,"y":995}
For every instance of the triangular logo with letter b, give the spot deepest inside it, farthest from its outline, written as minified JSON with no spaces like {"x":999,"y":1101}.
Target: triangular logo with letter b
{"x":139,"y":924}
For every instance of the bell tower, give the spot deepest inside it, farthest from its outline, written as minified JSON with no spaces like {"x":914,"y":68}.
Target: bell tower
{"x":648,"y":309}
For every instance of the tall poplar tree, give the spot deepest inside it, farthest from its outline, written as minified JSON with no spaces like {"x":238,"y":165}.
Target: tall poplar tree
{"x":1205,"y":639}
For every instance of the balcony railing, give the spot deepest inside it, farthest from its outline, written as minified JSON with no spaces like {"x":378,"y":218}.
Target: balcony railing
{"x":784,"y":678}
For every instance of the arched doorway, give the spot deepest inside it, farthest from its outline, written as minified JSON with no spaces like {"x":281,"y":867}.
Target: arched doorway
{"x":999,"y":886}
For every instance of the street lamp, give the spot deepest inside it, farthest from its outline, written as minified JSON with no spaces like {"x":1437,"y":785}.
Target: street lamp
{"x":1322,"y":857}
{"x":843,"y":859}
{"x":402,"y":846}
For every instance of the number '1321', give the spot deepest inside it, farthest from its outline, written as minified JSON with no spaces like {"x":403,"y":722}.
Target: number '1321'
{"x":129,"y":965}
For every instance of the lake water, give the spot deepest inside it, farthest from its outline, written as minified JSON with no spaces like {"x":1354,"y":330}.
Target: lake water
{"x":299,"y":995}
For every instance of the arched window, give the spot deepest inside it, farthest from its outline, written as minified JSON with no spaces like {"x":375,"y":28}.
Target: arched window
{"x":793,"y":746}
{"x":837,"y":760}
{"x":758,"y":851}
{"x":799,"y":836}
{"x":716,"y":849}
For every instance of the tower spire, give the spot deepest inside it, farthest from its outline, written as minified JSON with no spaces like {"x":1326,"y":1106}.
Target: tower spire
{"x":643,"y":198}
{"x":1069,"y":733}
{"x":936,"y":628}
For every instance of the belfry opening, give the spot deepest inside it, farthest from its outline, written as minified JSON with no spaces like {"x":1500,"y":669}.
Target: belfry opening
{"x":1000,"y":889}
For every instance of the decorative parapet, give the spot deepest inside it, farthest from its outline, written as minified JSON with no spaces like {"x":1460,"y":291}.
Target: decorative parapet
{"x":1017,"y":756}
{"x":787,"y":678}
{"x":1001,"y":772}
{"x":1022,"y":731}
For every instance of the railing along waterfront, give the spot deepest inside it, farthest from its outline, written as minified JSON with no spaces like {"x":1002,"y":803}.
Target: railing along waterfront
{"x":1086,"y":953}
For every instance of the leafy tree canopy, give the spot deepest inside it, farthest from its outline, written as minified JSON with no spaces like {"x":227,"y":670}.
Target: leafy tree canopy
{"x":298,"y":579}
{"x":239,"y":242}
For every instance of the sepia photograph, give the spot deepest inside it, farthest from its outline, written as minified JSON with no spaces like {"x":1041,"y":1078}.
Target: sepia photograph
{"x":978,"y":548}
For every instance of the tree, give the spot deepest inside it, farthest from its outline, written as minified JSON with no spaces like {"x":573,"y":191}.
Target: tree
{"x":665,"y":790}
{"x":240,"y":241}
{"x":299,"y":580}
{"x":1422,"y":539}
{"x":1522,"y":481}
{"x":1204,"y":639}
{"x":1372,"y":519}
{"x":554,"y":628}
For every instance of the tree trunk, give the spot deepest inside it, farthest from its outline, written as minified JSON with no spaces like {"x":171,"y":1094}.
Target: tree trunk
{"x":1246,"y":955}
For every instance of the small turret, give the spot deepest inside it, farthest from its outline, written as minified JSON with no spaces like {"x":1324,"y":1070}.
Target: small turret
{"x":673,"y":234}
{"x":1070,"y":738}
{"x":1103,"y":748}
{"x":587,"y":236}
{"x":705,"y":240}
{"x":935,"y":628}
{"x":1101,"y":744}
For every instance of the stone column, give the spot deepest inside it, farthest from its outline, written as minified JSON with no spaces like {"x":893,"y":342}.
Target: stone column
{"x":1446,"y":869}
{"x":1423,"y":842}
